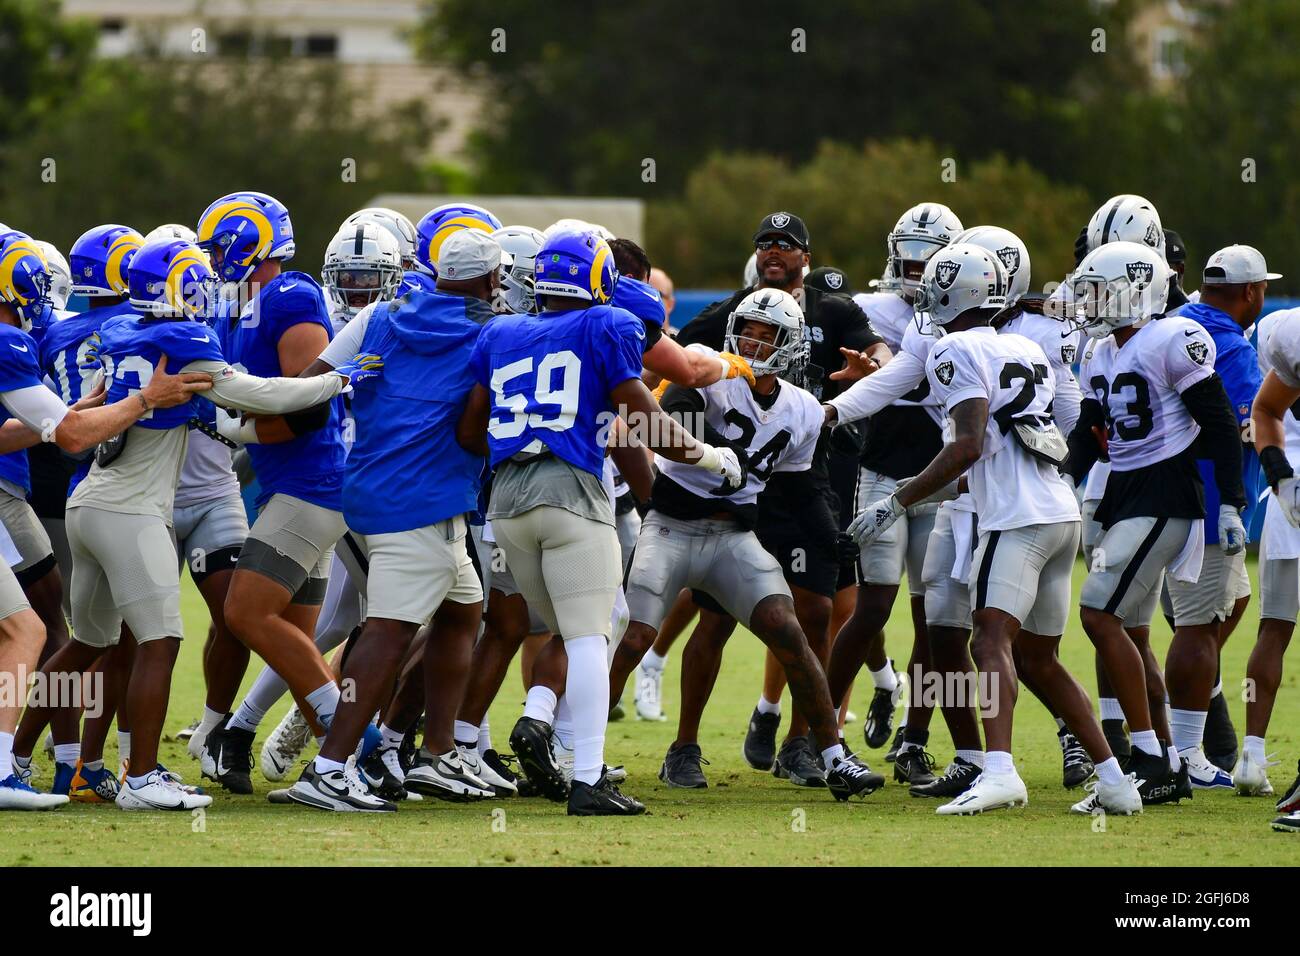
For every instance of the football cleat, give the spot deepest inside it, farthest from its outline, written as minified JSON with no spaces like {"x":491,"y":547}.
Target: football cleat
{"x":94,"y":786}
{"x":16,"y":795}
{"x":1156,"y":782}
{"x":876,"y":780}
{"x":564,"y":760}
{"x":1290,"y":801}
{"x":285,"y":745}
{"x":649,"y":693}
{"x":185,"y":733}
{"x":1203,"y":774}
{"x":1289,"y":823}
{"x":1117,"y":738}
{"x":531,"y":741}
{"x":851,"y":778}
{"x":880,"y":715}
{"x":478,"y":766}
{"x":1076,"y":765}
{"x":681,"y":768}
{"x":956,"y":780}
{"x":896,"y":744}
{"x":25,"y":772}
{"x":616,"y":712}
{"x":228,"y":758}
{"x":797,"y":763}
{"x":1250,"y":777}
{"x":760,"y":741}
{"x":383,"y":774}
{"x":341,"y":790}
{"x":63,"y":774}
{"x":161,"y":791}
{"x":914,"y":767}
{"x":602,"y":799}
{"x":1122,"y":799}
{"x":445,"y":777}
{"x":988,"y":792}
{"x":1219,"y":740}
{"x":500,"y":764}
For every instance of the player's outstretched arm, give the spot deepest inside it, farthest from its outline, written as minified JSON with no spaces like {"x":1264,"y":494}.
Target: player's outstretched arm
{"x":693,"y":369}
{"x":267,"y":396}
{"x":632,"y":460}
{"x":881,"y":388}
{"x":968,"y":423}
{"x":636,"y":403}
{"x":1273,"y":400}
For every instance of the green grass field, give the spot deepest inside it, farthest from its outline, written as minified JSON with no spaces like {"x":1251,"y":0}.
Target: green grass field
{"x":744,"y":818}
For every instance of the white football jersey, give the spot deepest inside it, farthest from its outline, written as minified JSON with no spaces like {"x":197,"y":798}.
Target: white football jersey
{"x":1140,"y":385}
{"x":1061,"y":346}
{"x":1281,"y":352}
{"x":780,"y":438}
{"x":1011,"y":488}
{"x":1287,"y":320}
{"x":890,"y":315}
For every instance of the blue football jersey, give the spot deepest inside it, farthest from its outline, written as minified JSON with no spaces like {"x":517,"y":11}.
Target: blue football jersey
{"x":641,"y":299}
{"x":550,"y":376}
{"x":309,"y":467}
{"x":63,"y":350}
{"x":405,"y":470}
{"x":130,"y":348}
{"x":19,"y":356}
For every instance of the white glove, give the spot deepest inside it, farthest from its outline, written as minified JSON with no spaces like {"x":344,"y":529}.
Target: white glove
{"x":1288,"y":499}
{"x":721,"y":461}
{"x":875,"y":519}
{"x":1232,"y":533}
{"x":231,"y":426}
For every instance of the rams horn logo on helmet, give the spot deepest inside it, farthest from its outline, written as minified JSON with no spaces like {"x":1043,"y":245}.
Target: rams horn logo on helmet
{"x":781,"y":220}
{"x":1010,"y":259}
{"x":1140,"y":272}
{"x":945,"y":273}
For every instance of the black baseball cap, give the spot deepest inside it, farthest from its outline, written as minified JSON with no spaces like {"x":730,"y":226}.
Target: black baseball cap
{"x":1175,"y":250}
{"x":828,"y":279}
{"x":784,"y":224}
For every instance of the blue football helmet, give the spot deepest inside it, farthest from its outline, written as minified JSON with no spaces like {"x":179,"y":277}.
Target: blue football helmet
{"x":434,"y":228}
{"x":576,"y":264}
{"x":24,"y":278}
{"x":242,"y":230}
{"x":171,"y":278}
{"x":100,"y":258}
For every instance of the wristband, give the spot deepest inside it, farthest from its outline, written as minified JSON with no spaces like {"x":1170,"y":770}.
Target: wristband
{"x":1275,"y":466}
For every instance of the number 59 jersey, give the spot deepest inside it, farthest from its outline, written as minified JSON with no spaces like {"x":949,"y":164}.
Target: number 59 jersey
{"x":1011,"y":488}
{"x":777,"y":435}
{"x":1140,"y":385}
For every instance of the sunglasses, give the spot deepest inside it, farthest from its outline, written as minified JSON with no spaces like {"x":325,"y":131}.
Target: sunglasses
{"x":785,"y":245}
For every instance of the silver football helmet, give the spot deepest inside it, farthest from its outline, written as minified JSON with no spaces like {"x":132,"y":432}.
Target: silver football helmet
{"x":397,"y":225}
{"x":1117,"y":285}
{"x":919,"y":233}
{"x":363,"y":264}
{"x":171,"y":230}
{"x":1009,"y":249}
{"x":957,"y":279}
{"x":519,"y":248}
{"x":60,"y":275}
{"x":790,"y":347}
{"x":1126,"y":218}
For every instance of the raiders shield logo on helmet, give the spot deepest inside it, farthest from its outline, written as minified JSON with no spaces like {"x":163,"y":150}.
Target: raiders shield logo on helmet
{"x":834,"y":280}
{"x":943,"y":372}
{"x":781,"y":220}
{"x":1009,"y":256}
{"x":945,"y":273}
{"x":1068,"y":351}
{"x":1139,"y":272}
{"x":1198,"y":352}
{"x":1153,"y":236}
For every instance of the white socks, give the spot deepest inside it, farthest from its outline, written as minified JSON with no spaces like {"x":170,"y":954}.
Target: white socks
{"x":211,"y":718}
{"x":1188,"y":727}
{"x":765,"y":706}
{"x":325,"y":764}
{"x":124,"y":745}
{"x":1110,"y":709}
{"x":564,"y":722}
{"x":586,"y":692}
{"x":1253,"y":746}
{"x":392,"y":738}
{"x":998,"y":762}
{"x":484,"y":736}
{"x":1109,"y":772}
{"x":1147,"y":742}
{"x":67,"y":753}
{"x":324,"y":700}
{"x":652,"y":661}
{"x":885,"y":678}
{"x":464,"y":733}
{"x":972,"y":756}
{"x":247,"y":717}
{"x":540,"y":704}
{"x":831,"y":756}
{"x":6,"y":755}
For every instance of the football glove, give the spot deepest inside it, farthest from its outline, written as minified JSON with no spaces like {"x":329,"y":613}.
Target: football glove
{"x":90,"y":361}
{"x":724,"y":462}
{"x":1232,"y":533}
{"x":846,"y":549}
{"x":1288,"y":499}
{"x":734,"y":366}
{"x":873,"y":520}
{"x":363,"y":367}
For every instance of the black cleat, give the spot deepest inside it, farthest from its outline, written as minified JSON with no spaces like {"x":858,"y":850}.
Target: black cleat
{"x":1287,"y":823}
{"x":1220,"y":735}
{"x":760,"y":741}
{"x":681,"y":768}
{"x":379,"y":777}
{"x":874,"y":780}
{"x":409,"y":745}
{"x":850,"y":777}
{"x":228,"y":758}
{"x":880,"y":717}
{"x":1290,"y":800}
{"x":956,"y":780}
{"x":1076,"y":766}
{"x":531,"y":741}
{"x":1156,"y":783}
{"x":500,"y":765}
{"x":797,"y":764}
{"x":602,"y":800}
{"x":892,"y":753}
{"x":1117,"y":738}
{"x":914,"y":767}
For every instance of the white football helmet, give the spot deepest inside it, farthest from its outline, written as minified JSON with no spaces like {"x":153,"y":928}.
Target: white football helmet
{"x":1009,"y":249}
{"x":750,"y":276}
{"x":363,"y":264}
{"x":1117,"y":285}
{"x":171,"y":230}
{"x":919,"y":233}
{"x":399,"y":226}
{"x":790,"y":346}
{"x":957,"y":279}
{"x":60,"y":275}
{"x":519,"y":248}
{"x":1126,"y":218}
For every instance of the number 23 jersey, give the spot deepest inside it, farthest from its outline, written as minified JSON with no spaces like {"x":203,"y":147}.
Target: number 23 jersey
{"x":779,"y":437}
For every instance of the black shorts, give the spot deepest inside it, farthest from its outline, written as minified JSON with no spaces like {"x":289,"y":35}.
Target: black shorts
{"x":844,"y":485}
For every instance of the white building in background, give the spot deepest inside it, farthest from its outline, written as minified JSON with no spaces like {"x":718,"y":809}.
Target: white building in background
{"x":369,"y":39}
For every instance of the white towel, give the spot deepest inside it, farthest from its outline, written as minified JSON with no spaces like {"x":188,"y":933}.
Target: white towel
{"x":1187,"y":566}
{"x":1281,"y":538}
{"x":962,"y":513}
{"x":8,"y":550}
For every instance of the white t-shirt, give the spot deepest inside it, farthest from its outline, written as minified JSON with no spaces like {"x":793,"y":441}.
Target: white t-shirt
{"x":779,"y":438}
{"x":1061,"y":346}
{"x":1011,"y":488}
{"x":1140,"y":387}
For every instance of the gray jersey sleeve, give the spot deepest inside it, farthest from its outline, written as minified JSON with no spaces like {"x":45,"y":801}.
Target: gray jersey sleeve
{"x":344,"y":346}
{"x":265,"y":396}
{"x":36,"y":407}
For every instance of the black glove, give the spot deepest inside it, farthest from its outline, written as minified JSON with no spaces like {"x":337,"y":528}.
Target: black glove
{"x":1080,"y":246}
{"x":846,"y":549}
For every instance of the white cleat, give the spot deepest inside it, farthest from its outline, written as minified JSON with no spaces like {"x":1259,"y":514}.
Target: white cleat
{"x":337,"y":790}
{"x":649,"y":693}
{"x":499,"y":785}
{"x":1251,"y":777}
{"x":1203,"y":774}
{"x":161,"y":791}
{"x":1122,"y":799}
{"x":194,"y":744}
{"x":564,"y":760}
{"x":185,"y":733}
{"x":285,"y":745}
{"x":446,"y":777}
{"x":26,"y":773}
{"x":989,"y":792}
{"x":16,"y":795}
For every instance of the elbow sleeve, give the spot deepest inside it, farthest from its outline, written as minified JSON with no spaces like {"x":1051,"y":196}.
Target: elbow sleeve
{"x":309,"y":419}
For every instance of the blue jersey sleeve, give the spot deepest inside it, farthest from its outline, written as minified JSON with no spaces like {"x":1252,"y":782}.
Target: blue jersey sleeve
{"x":19,"y":356}
{"x":620,"y":334}
{"x":478,"y":358}
{"x":1238,"y":366}
{"x":186,"y":342}
{"x":641,"y":299}
{"x":294,"y":299}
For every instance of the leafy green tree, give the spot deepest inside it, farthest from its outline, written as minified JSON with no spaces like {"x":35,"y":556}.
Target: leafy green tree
{"x":44,"y":57}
